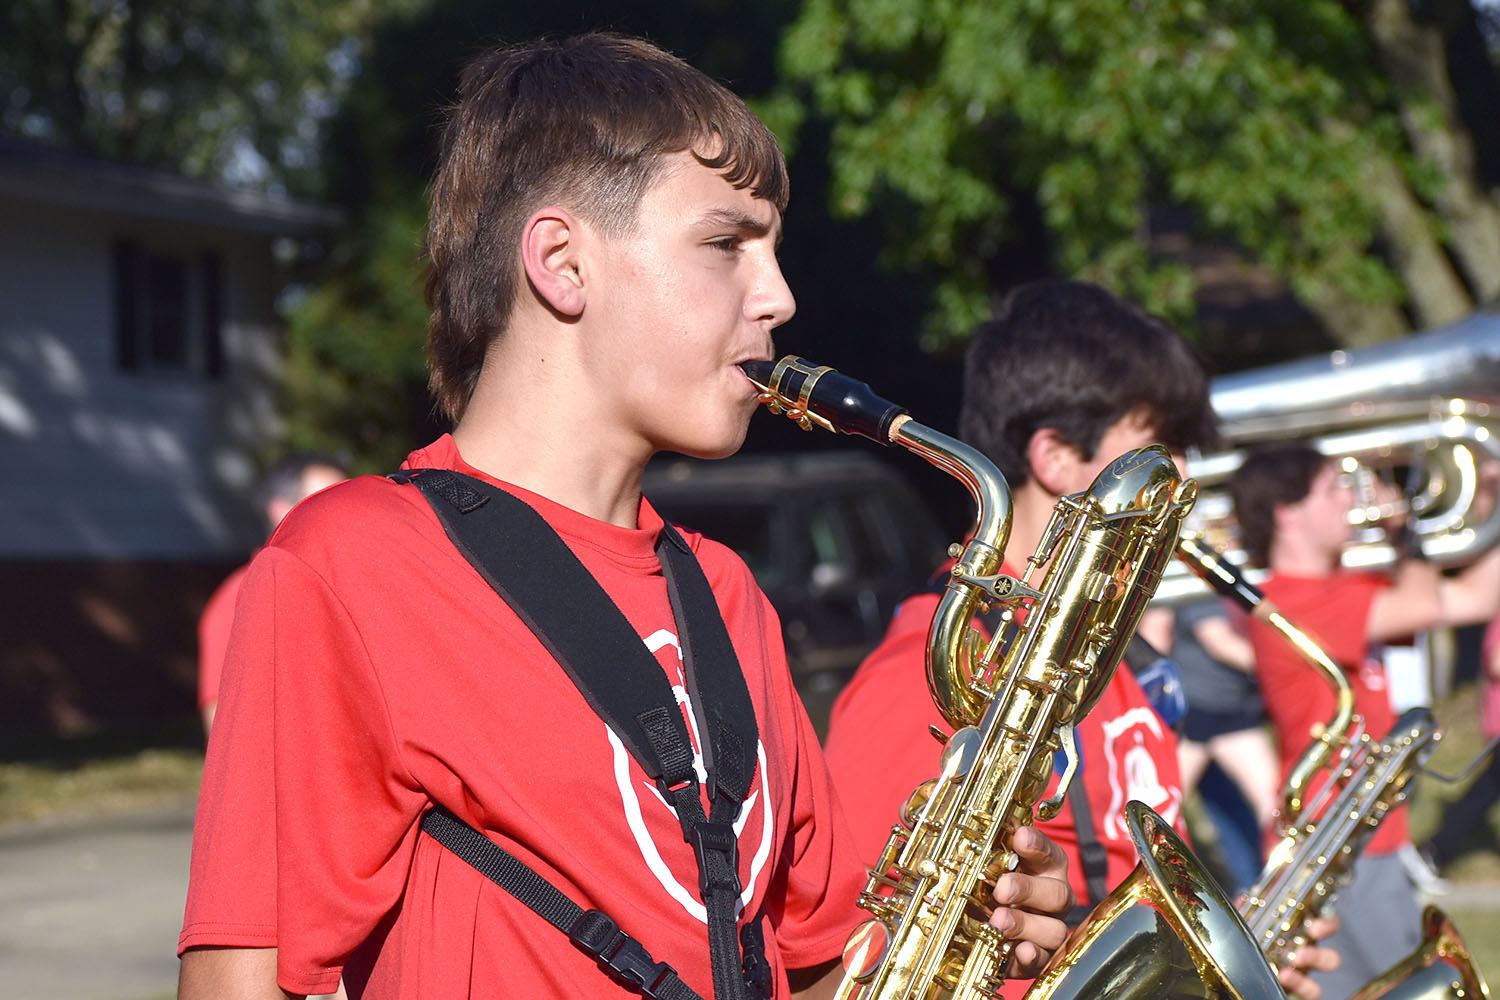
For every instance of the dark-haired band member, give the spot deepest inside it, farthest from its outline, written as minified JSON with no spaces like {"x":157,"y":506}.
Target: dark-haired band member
{"x":1065,"y":379}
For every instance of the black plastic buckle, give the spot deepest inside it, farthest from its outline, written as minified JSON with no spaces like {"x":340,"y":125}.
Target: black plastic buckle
{"x":597,"y":934}
{"x":716,"y":840}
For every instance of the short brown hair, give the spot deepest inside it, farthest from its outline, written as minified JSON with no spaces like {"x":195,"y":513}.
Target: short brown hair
{"x":1271,"y":475}
{"x":1076,"y":358}
{"x":584,"y":122}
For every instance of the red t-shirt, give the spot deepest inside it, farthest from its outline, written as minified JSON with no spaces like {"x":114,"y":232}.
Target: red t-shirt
{"x":879,"y":750}
{"x":373,"y":672}
{"x":1335,"y":612}
{"x":213,"y":634}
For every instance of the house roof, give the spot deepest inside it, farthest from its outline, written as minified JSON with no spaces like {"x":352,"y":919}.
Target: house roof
{"x":53,"y":176}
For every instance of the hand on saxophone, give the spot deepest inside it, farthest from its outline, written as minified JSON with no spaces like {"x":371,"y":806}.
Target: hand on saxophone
{"x":1031,"y":902}
{"x":1310,"y":958}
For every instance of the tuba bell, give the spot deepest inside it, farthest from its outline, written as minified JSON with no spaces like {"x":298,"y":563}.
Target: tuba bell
{"x":1440,"y":969}
{"x":1421,"y":413}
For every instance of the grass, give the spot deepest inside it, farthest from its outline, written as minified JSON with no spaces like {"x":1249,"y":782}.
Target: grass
{"x":45,"y":778}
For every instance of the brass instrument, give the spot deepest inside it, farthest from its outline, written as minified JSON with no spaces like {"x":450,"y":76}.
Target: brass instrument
{"x":1014,"y":700}
{"x":1167,"y":931}
{"x":1321,"y":839}
{"x":1421,"y":413}
{"x":1342,"y":731}
{"x":1316,"y":856}
{"x":1440,"y":969}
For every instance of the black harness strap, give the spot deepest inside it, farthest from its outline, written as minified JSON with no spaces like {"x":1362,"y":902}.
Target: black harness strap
{"x":593,"y":931}
{"x":1092,"y":855}
{"x":532,"y":569}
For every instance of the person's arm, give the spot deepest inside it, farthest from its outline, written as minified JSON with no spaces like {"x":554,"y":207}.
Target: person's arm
{"x":1409,"y":605}
{"x":1492,"y":662}
{"x":820,"y":982}
{"x":229,"y":974}
{"x":1472,"y":596}
{"x":1156,"y":628}
{"x":1223,"y":642}
{"x":1420,"y":598}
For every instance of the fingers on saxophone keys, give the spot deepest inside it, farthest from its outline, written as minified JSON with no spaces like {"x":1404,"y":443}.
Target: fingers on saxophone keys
{"x":1028,"y":925}
{"x":1321,"y":927}
{"x":1027,"y":961}
{"x":1047,"y":894}
{"x":1298,"y":984}
{"x":1038,"y":854}
{"x":1312,"y":958}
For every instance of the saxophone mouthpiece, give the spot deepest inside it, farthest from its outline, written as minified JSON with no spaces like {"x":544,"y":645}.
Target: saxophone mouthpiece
{"x":759,"y":372}
{"x":811,"y":395}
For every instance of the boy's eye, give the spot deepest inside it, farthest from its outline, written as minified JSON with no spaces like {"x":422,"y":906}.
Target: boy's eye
{"x":728,"y":244}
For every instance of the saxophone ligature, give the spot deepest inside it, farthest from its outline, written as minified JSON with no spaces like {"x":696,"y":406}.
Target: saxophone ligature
{"x":1013,"y":699}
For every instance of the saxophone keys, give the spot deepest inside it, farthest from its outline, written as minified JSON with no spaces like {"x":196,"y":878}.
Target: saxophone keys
{"x":865,"y":949}
{"x":960,"y":752}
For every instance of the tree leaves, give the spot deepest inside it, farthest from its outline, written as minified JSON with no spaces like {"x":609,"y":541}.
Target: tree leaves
{"x":1258,"y":116}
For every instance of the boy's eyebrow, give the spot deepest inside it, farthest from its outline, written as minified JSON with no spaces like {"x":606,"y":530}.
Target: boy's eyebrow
{"x":742,"y":222}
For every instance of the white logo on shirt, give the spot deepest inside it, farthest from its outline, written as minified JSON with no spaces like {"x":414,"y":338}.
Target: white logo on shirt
{"x":686,"y":894}
{"x":1132,"y":770}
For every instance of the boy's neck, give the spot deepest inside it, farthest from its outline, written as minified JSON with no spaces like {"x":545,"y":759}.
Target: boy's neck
{"x":538,"y":433}
{"x":1291,"y":556}
{"x":1031,"y":511}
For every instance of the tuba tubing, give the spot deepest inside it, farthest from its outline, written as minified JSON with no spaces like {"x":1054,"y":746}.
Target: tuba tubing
{"x":1427,"y":405}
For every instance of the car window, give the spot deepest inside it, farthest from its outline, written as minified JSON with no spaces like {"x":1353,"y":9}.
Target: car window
{"x":844,"y":549}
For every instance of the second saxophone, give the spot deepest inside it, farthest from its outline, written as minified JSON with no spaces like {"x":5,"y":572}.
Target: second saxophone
{"x":1013,"y":699}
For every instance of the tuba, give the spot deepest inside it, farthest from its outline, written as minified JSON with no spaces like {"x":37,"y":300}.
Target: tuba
{"x":1421,"y":413}
{"x":1440,"y":969}
{"x":1013,"y":702}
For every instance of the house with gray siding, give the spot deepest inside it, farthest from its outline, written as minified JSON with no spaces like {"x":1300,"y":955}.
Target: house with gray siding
{"x":138,"y":354}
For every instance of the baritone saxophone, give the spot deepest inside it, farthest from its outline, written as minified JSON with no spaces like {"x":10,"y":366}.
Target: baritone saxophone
{"x":1013,"y":700}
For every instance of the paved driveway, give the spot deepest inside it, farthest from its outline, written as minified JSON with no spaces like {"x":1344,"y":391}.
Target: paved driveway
{"x":90,"y":909}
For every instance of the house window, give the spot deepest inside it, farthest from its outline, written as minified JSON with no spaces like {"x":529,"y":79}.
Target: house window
{"x":168,"y":310}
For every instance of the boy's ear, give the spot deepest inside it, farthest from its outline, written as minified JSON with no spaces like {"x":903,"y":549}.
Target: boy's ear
{"x":1052,"y":460}
{"x":550,"y":254}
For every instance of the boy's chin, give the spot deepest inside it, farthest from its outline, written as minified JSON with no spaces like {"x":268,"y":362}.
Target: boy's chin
{"x":723,"y":448}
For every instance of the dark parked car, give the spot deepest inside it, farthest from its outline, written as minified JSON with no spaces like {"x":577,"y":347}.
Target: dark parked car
{"x":835,"y":540}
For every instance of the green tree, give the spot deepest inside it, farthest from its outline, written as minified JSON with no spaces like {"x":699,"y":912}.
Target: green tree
{"x":1283,"y":126}
{"x":226,"y":89}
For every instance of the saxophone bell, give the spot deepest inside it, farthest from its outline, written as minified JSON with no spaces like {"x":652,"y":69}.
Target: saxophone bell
{"x":1166,"y":931}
